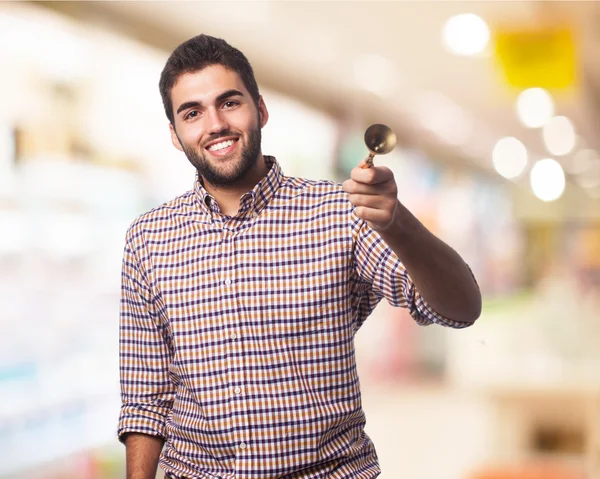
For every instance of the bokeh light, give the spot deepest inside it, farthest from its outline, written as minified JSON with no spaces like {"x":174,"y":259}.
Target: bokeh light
{"x":509,"y":157}
{"x":547,"y":179}
{"x":559,"y":135}
{"x":465,"y":34}
{"x":535,"y":107}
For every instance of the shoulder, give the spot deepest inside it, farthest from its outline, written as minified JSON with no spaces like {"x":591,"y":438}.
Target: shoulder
{"x":322,"y":197}
{"x":164,"y":216}
{"x":292,"y":186}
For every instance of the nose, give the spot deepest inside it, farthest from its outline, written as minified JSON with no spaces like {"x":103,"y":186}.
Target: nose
{"x":216,"y":121}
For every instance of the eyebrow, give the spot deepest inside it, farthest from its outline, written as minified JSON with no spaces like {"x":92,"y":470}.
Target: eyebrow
{"x":220,"y":98}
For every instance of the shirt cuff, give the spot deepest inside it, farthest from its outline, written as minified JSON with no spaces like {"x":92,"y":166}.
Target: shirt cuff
{"x":142,"y":419}
{"x":424,"y":315}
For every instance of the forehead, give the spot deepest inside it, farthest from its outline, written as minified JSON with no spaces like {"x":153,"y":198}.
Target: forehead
{"x":206,"y":84}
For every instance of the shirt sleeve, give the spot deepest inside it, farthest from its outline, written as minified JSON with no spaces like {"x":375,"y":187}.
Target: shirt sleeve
{"x":147,"y":390}
{"x":379,"y":266}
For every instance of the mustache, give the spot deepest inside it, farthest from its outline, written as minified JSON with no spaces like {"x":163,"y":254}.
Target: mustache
{"x":221,"y":134}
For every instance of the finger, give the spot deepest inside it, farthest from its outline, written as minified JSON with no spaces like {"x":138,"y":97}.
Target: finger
{"x":371,"y":201}
{"x":372,"y":176}
{"x":388,"y":188}
{"x":377,"y":218}
{"x":351,"y":186}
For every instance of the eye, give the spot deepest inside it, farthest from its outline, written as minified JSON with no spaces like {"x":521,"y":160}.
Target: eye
{"x":230,"y":104}
{"x":191,"y":115}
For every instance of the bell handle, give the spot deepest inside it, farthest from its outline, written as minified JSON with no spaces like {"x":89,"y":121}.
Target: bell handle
{"x":369,"y":161}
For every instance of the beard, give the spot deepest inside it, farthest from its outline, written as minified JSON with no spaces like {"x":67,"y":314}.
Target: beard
{"x":214,"y":175}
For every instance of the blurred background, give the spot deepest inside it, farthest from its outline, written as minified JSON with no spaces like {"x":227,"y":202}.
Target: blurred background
{"x":497,"y":109}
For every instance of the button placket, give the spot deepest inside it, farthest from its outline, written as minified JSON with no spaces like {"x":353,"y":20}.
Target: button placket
{"x":233,"y":345}
{"x":226,"y":248}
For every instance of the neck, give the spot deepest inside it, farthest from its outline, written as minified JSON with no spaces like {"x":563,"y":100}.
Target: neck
{"x":228,"y":197}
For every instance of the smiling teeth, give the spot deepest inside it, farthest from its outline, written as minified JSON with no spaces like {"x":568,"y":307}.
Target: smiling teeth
{"x":220,"y":146}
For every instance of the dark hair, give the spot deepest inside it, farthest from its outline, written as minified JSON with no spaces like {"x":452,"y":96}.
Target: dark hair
{"x":200,"y":52}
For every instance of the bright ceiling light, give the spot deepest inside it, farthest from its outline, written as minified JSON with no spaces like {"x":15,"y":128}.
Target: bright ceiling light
{"x":465,"y":34}
{"x":376,"y":74}
{"x":535,"y":107}
{"x":559,"y":135}
{"x":547,"y":179}
{"x":509,"y":157}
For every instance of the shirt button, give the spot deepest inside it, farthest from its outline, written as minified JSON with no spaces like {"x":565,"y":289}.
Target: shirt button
{"x":227,"y":281}
{"x":233,"y":335}
{"x":242,"y":445}
{"x":237,"y":390}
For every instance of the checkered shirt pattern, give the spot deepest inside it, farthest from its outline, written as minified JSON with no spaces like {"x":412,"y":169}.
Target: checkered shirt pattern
{"x":236,"y":333}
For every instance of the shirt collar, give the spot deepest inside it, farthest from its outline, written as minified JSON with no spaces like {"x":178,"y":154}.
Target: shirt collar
{"x":254,"y":200}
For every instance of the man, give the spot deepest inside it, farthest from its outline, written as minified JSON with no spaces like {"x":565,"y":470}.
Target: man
{"x":241,"y":298}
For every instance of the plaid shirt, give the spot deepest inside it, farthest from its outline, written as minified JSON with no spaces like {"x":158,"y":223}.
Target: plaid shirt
{"x":236,"y":335}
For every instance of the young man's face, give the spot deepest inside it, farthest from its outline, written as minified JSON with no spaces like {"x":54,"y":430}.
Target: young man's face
{"x":217,"y":124}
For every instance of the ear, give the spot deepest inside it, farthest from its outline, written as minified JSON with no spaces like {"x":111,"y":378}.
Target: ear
{"x":174,"y":138}
{"x":263,"y":113}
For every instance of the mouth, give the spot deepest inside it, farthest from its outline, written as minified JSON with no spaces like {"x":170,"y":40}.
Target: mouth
{"x":222,"y":147}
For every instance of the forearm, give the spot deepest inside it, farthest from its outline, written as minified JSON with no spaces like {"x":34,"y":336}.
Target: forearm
{"x":440,"y":275}
{"x":143,"y":452}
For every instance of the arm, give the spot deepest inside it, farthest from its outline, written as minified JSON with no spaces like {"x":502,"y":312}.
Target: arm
{"x":142,"y":455}
{"x":147,"y":390}
{"x":439,"y":274}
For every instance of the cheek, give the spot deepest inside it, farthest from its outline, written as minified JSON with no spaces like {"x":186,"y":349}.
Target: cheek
{"x":244,"y":120}
{"x":191,"y":134}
